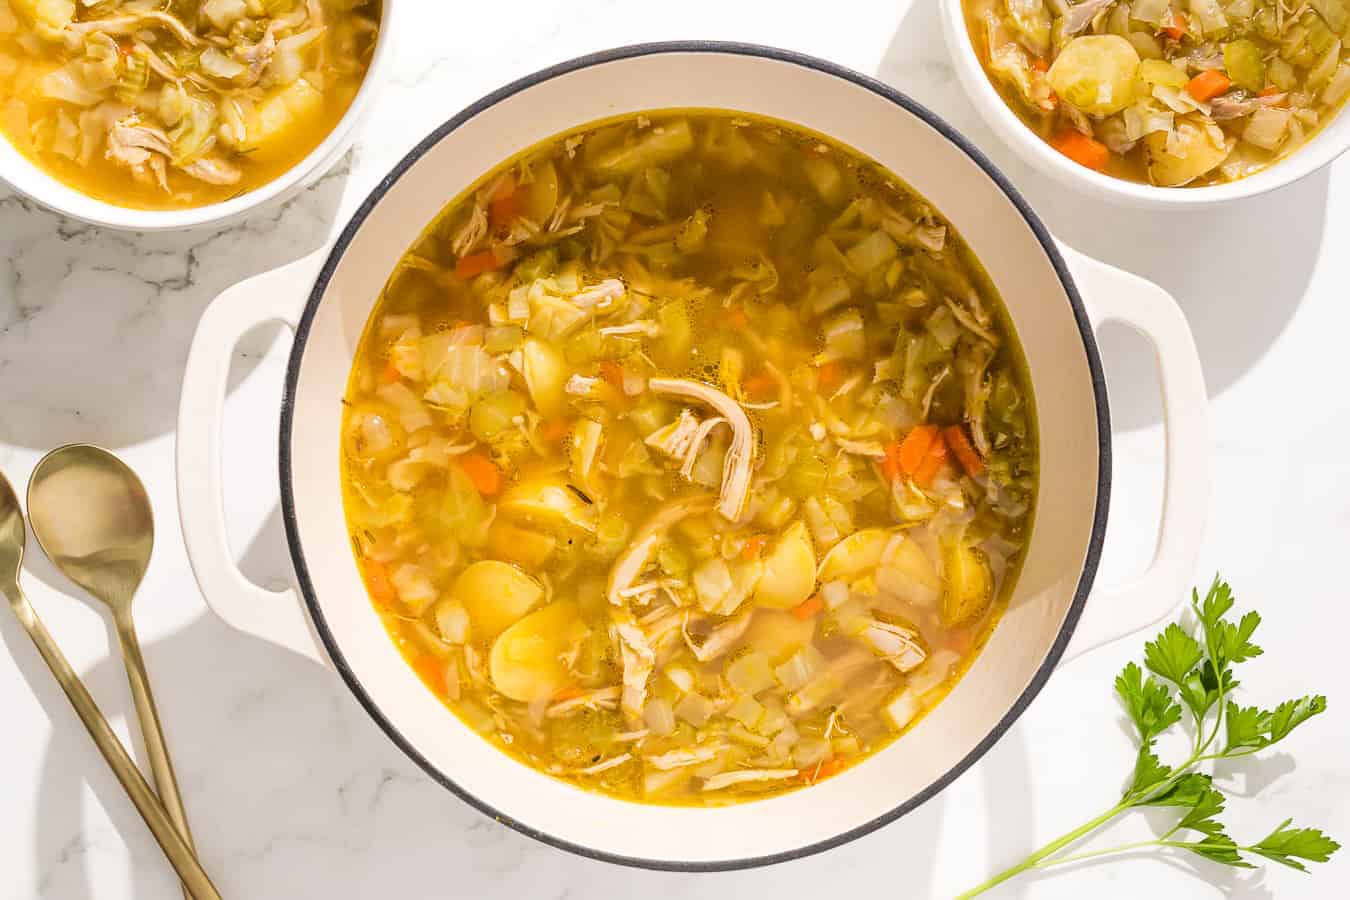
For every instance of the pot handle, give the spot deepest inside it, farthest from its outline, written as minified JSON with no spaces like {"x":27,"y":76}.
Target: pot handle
{"x":1112,"y":295}
{"x":278,"y":295}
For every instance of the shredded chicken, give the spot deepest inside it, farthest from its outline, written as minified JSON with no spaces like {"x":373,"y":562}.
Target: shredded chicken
{"x":1079,"y":17}
{"x":630,"y":565}
{"x":472,"y":233}
{"x":639,"y":659}
{"x":141,"y":148}
{"x":740,"y":455}
{"x":601,"y":295}
{"x":727,"y":779}
{"x":678,"y":759}
{"x":607,"y":764}
{"x":133,"y":22}
{"x":861,"y":448}
{"x":214,"y":171}
{"x":600,"y":698}
{"x":720,"y":639}
{"x":898,"y":646}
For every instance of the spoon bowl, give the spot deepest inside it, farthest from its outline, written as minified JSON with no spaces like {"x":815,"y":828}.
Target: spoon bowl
{"x":92,"y":516}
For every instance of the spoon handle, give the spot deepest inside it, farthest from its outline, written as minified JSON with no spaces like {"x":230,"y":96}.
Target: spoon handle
{"x":161,"y":766}
{"x":175,"y":847}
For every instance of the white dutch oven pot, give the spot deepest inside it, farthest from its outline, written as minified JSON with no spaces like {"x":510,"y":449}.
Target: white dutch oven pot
{"x":1056,"y":297}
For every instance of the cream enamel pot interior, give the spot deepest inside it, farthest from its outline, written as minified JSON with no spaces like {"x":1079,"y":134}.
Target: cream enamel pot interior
{"x":18,"y":171}
{"x":1325,"y":147}
{"x":328,"y":296}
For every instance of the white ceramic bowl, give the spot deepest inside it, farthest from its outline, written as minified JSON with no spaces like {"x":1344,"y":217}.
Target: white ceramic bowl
{"x":1324,"y":148}
{"x":19,"y":173}
{"x":328,"y":297}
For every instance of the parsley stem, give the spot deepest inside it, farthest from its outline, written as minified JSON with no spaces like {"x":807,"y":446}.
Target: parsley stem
{"x":1036,"y":860}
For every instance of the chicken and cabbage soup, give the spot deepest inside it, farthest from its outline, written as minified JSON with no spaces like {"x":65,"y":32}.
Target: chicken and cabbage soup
{"x":689,"y":458}
{"x":171,"y":104}
{"x":1170,"y":92}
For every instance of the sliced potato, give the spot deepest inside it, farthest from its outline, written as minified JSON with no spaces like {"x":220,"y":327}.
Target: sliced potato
{"x":777,"y":634}
{"x":548,"y":503}
{"x":910,"y":560}
{"x":545,"y":376}
{"x":859,"y":552}
{"x":496,"y":595}
{"x":282,"y":116}
{"x":525,"y":662}
{"x":1096,"y":73}
{"x":525,"y":547}
{"x":789,"y":570}
{"x":1194,"y":153}
{"x":541,"y":194}
{"x":970,"y":586}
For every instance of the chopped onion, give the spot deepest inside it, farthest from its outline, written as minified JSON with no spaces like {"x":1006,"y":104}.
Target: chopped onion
{"x":659,"y":716}
{"x":749,"y":673}
{"x":695,"y":709}
{"x":797,"y":671}
{"x":453,"y":622}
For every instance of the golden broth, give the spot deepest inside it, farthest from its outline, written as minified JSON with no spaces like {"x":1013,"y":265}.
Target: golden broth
{"x":689,"y":457}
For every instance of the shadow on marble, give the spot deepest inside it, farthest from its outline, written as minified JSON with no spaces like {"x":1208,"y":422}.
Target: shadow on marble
{"x":95,"y":324}
{"x":1238,"y":271}
{"x":292,"y":791}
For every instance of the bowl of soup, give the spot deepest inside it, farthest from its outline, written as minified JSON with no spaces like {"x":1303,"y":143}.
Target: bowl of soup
{"x":693,"y":455}
{"x":150,"y":116}
{"x":1159,"y":101}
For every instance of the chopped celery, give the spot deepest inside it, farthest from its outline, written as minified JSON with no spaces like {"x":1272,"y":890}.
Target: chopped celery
{"x":1245,"y":64}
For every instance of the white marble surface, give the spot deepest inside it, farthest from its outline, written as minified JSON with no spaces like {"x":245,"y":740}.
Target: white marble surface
{"x":293,"y":792}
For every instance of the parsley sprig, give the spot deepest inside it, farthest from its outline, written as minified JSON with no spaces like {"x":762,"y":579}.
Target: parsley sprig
{"x":1190,"y":676}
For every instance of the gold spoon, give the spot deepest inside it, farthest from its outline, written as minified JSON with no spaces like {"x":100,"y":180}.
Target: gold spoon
{"x":12,"y":540}
{"x":92,"y":517}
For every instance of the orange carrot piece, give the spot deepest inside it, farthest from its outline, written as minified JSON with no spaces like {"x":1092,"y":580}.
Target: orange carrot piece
{"x":932,"y":462}
{"x":477,"y":264}
{"x":1081,"y":149}
{"x":830,"y":375}
{"x":483,"y":472}
{"x":1175,"y":26}
{"x":915,"y":446}
{"x":823,"y":770}
{"x":569,"y":692}
{"x":612,"y":372}
{"x":503,"y":205}
{"x":808,"y":607}
{"x":760,"y":385}
{"x":555,"y":430}
{"x":390,"y":373}
{"x":964,"y":450}
{"x":1040,"y":65}
{"x":378,"y":583}
{"x":1208,"y":85}
{"x":432,"y":672}
{"x":736,"y":318}
{"x":754,"y":545}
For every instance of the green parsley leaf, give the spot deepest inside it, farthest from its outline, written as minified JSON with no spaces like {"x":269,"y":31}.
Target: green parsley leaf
{"x":1188,"y":791}
{"x":1287,"y":846}
{"x":1292,"y":713}
{"x":1201,"y":817}
{"x":1149,"y":772}
{"x":1173,"y":654}
{"x":1149,"y":703}
{"x":1246,"y":727}
{"x":1219,"y":848}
